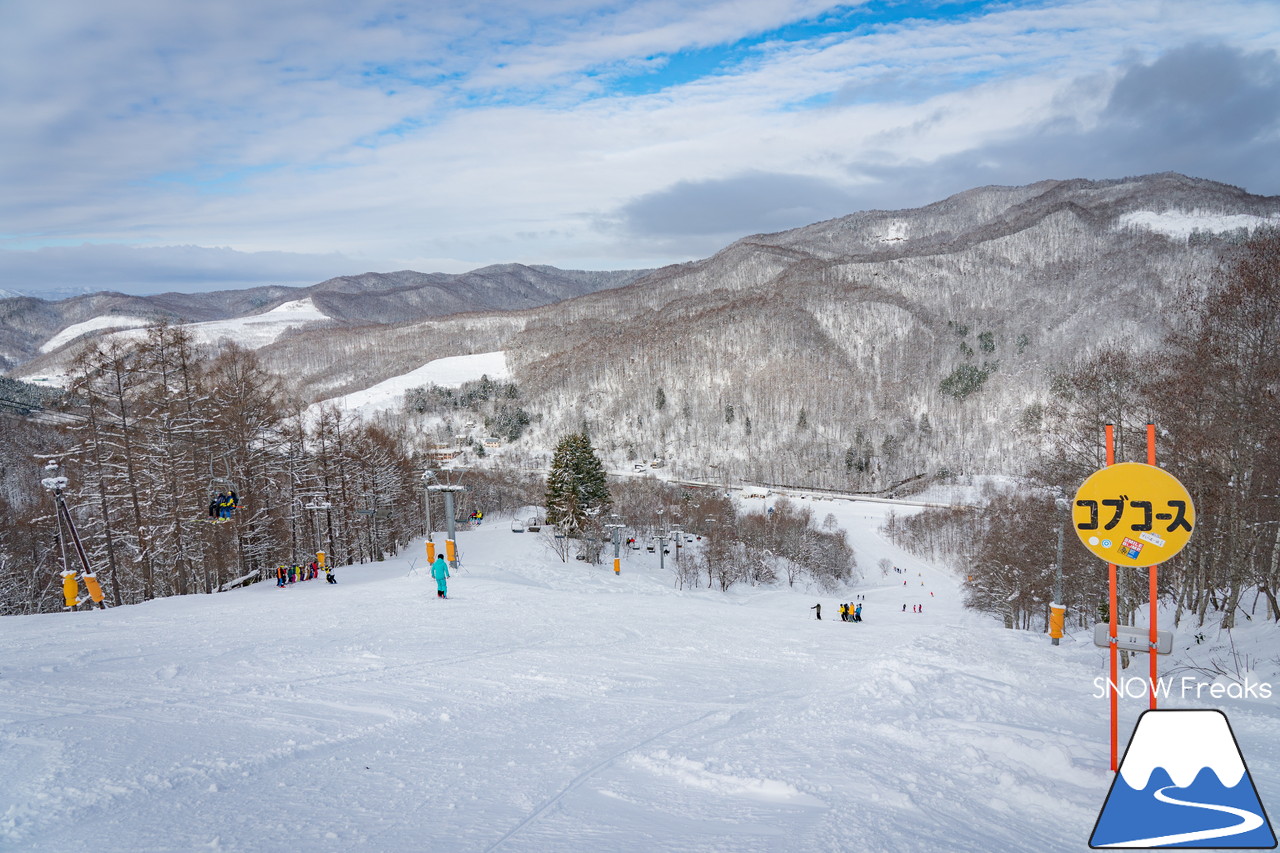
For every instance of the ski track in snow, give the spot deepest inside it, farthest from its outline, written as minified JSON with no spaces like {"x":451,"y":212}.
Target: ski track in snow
{"x":550,"y":706}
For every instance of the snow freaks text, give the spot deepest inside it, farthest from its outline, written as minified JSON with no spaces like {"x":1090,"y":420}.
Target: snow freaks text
{"x":1186,"y":687}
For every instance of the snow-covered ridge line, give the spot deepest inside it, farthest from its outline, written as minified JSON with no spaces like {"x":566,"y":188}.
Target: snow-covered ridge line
{"x":1182,"y":224}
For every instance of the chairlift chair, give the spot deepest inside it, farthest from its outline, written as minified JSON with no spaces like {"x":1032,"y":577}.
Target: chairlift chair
{"x":226,"y":487}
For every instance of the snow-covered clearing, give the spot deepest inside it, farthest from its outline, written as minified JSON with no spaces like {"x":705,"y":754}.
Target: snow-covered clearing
{"x":1182,"y":223}
{"x":449,"y":372}
{"x":253,"y":332}
{"x":258,"y":330}
{"x":550,"y":706}
{"x":107,"y":321}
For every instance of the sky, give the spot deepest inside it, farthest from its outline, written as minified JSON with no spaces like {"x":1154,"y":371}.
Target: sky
{"x":149,"y":146}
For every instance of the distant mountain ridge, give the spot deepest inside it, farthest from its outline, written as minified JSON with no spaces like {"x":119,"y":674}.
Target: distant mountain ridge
{"x":853,"y":353}
{"x":27,"y":322}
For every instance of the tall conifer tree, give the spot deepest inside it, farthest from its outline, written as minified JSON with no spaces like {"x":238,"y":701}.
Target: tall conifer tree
{"x":576,"y":485}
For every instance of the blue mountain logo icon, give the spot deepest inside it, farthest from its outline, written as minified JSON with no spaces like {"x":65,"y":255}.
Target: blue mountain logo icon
{"x":1183,"y":783}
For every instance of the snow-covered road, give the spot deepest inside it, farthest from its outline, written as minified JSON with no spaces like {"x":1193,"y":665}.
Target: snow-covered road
{"x":552,"y":706}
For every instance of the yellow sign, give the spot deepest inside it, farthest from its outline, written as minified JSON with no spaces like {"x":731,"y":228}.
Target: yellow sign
{"x":1133,"y":515}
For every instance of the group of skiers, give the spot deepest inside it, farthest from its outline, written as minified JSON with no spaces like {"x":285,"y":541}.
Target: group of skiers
{"x":221,"y":507}
{"x":850,"y":612}
{"x":286,"y":575}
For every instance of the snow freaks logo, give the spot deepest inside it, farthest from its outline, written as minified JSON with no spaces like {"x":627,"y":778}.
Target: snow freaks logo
{"x":1186,"y":687}
{"x":1183,"y":783}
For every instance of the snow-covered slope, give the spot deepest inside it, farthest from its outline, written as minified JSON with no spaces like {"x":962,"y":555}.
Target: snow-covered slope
{"x":450,"y":372}
{"x":75,"y":330}
{"x":257,"y":330}
{"x":252,"y":332}
{"x":549,"y":706}
{"x":1182,"y":224}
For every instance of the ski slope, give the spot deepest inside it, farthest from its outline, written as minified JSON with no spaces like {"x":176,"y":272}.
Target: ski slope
{"x":549,"y":706}
{"x":449,"y":372}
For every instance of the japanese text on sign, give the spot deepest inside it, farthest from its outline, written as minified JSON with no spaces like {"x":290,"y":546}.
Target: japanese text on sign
{"x":1133,"y":514}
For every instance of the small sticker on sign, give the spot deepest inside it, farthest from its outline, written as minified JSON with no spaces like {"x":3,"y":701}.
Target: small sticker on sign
{"x":1093,"y":540}
{"x":1131,"y":548}
{"x":1106,"y":543}
{"x":1152,"y":539}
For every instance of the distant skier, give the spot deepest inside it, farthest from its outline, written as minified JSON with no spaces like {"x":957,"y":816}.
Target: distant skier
{"x":440,"y":571}
{"x":817,"y":608}
{"x":844,"y":612}
{"x":857,"y":613}
{"x":904,"y":608}
{"x":280,"y":575}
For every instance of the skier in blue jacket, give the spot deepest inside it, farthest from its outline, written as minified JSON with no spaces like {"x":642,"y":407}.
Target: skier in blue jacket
{"x":440,"y":571}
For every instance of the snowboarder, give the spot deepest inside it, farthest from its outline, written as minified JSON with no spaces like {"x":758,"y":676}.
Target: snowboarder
{"x":818,"y":610}
{"x":440,"y":571}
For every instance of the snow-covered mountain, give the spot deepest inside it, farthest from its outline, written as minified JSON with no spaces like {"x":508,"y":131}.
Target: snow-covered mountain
{"x":30,"y":327}
{"x":852,"y":353}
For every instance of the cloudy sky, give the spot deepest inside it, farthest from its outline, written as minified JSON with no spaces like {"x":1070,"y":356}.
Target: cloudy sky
{"x":174,"y":144}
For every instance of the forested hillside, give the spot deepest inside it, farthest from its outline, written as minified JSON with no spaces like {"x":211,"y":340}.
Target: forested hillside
{"x":1211,"y":387}
{"x":27,"y":324}
{"x":855,"y":354}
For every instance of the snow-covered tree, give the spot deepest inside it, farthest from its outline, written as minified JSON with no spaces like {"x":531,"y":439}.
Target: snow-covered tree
{"x":576,"y":484}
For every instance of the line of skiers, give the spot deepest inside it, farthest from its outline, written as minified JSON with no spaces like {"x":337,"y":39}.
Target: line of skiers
{"x":223,"y":505}
{"x":849,"y":611}
{"x":286,"y":575}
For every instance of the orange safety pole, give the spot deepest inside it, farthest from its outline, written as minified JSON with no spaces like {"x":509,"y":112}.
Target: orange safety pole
{"x":1113,"y":643}
{"x":1153,"y":590}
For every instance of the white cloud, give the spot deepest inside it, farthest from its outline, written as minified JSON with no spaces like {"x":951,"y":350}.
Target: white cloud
{"x":479,"y":133}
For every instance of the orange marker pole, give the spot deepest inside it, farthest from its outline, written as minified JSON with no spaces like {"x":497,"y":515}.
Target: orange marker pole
{"x":1152,"y":582}
{"x":1114,"y":683}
